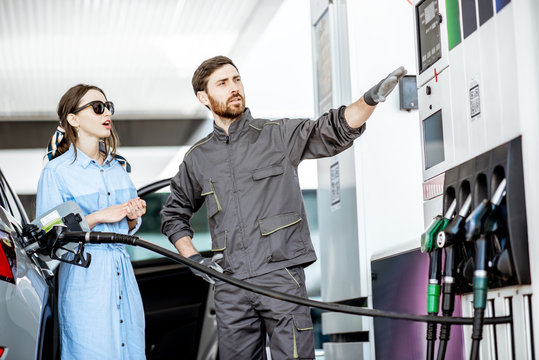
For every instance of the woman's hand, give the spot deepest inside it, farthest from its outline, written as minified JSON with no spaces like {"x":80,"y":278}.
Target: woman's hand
{"x":135,"y":208}
{"x":131,"y":209}
{"x":111,"y":214}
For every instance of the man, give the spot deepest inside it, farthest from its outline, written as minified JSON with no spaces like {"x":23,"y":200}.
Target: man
{"x":245,"y":171}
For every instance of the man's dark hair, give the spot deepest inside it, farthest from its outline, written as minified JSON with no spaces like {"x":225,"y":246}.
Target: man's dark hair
{"x":201,"y":75}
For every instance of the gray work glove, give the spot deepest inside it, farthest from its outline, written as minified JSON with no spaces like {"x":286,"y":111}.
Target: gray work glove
{"x":211,"y":263}
{"x":379,"y":91}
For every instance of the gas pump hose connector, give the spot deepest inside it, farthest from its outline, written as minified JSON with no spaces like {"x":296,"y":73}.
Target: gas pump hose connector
{"x":103,"y":237}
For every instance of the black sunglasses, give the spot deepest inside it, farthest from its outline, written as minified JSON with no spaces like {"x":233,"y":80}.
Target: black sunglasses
{"x":98,"y":106}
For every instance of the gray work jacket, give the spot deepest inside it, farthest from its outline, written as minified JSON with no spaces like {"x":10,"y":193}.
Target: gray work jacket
{"x":249,"y":183}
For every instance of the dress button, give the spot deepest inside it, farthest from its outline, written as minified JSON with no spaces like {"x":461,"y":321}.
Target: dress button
{"x":123,"y":344}
{"x":118,"y":273}
{"x":108,"y":193}
{"x":121,"y":321}
{"x":101,"y":170}
{"x":120,"y":297}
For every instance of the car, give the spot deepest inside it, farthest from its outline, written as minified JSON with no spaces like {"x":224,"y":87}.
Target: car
{"x":179,"y":311}
{"x":27,"y":296}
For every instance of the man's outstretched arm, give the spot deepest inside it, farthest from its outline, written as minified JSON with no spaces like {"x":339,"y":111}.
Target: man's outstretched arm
{"x":357,"y":113}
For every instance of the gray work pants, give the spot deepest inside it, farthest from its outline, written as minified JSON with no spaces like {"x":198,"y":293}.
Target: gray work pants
{"x":244,"y":318}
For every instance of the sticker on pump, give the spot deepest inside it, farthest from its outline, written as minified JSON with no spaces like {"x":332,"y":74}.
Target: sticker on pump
{"x":335,"y":183}
{"x":475,"y":100}
{"x":433,"y":187}
{"x":50,"y":220}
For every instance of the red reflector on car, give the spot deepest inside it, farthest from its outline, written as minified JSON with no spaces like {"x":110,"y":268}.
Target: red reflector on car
{"x":6,"y":263}
{"x":1,"y":351}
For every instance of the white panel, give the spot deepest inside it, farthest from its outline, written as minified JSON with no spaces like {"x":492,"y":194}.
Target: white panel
{"x":338,"y":323}
{"x":491,"y":85}
{"x":341,"y":272}
{"x":459,"y":116}
{"x":477,"y":127}
{"x":510,"y":85}
{"x":388,"y":154}
{"x":345,"y":351}
{"x":507,"y":301}
{"x":432,"y":208}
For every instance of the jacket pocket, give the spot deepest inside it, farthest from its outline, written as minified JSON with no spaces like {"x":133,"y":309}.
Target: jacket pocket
{"x":278,"y":230}
{"x":272,"y":170}
{"x":212,"y":201}
{"x":218,"y":244}
{"x":303,"y":337}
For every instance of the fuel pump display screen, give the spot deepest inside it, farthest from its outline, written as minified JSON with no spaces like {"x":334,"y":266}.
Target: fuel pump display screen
{"x":428,"y":27}
{"x":433,"y":138}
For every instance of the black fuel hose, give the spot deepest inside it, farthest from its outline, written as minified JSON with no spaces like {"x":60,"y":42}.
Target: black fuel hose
{"x":103,"y":237}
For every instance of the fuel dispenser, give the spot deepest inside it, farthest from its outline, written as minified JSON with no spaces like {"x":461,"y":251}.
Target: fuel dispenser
{"x":478,"y":150}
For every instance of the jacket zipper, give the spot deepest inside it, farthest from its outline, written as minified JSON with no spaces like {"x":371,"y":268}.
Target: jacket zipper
{"x":240,"y":217}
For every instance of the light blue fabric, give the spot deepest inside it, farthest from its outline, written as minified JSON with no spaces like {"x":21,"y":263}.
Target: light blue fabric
{"x":100,"y":309}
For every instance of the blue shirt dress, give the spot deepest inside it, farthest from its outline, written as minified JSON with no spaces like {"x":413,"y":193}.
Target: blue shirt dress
{"x":100,"y":309}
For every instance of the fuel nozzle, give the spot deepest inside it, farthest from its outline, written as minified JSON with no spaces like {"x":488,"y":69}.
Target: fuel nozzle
{"x":428,"y":238}
{"x":495,"y":229}
{"x":36,"y":240}
{"x":475,"y":223}
{"x":474,"y":235}
{"x":480,"y":225}
{"x":449,"y":239}
{"x":476,"y":220}
{"x":49,"y":243}
{"x":428,"y":244}
{"x":454,"y":231}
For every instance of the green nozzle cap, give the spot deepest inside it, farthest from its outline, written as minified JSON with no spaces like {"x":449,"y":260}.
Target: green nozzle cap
{"x":480,"y":287}
{"x":433,"y":298}
{"x":428,"y":238}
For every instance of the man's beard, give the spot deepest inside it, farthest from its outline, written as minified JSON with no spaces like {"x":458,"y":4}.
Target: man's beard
{"x":226,"y":110}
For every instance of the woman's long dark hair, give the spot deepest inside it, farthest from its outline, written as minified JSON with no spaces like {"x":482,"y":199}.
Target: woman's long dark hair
{"x":68,"y":103}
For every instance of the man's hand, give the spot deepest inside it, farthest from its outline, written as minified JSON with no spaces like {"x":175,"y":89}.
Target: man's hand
{"x":206,"y":262}
{"x":380,"y":91}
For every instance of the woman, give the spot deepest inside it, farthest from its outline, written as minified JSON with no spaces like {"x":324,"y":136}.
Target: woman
{"x":100,"y":308}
